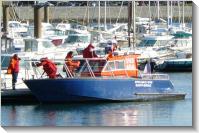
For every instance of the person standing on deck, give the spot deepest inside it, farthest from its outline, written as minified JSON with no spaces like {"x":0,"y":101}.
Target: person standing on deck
{"x":72,"y":65}
{"x":112,"y":46}
{"x":14,"y":69}
{"x":49,"y":67}
{"x":89,"y":52}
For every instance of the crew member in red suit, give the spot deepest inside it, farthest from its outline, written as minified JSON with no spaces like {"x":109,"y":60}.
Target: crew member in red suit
{"x":89,"y":52}
{"x":72,"y":65}
{"x":49,"y":67}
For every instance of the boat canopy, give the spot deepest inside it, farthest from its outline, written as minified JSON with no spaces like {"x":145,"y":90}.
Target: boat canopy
{"x":122,"y":66}
{"x":75,"y":38}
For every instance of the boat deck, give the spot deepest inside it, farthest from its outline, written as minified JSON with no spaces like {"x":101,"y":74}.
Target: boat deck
{"x":17,"y":96}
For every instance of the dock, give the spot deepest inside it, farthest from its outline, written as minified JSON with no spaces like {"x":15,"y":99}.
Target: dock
{"x":17,"y":96}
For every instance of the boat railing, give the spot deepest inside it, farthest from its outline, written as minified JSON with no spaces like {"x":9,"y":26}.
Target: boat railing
{"x":35,"y":72}
{"x":88,"y":68}
{"x":155,"y":76}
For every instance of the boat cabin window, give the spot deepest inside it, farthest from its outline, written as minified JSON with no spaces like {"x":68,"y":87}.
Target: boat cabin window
{"x":95,"y":65}
{"x":110,"y":66}
{"x":119,"y":64}
{"x":5,"y":62}
{"x":152,"y":43}
{"x":115,"y":65}
{"x":72,"y":32}
{"x":183,"y":43}
{"x":147,"y":43}
{"x":46,"y":44}
{"x":162,"y":42}
{"x":59,"y":32}
{"x":14,"y":25}
{"x":75,"y":38}
{"x":31,"y":46}
{"x":161,"y":49}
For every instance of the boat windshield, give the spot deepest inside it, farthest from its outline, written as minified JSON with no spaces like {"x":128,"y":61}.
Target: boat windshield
{"x":75,"y":39}
{"x":147,"y":43}
{"x":152,"y":43}
{"x":55,"y":32}
{"x":31,"y":46}
{"x":14,"y":25}
{"x":34,"y":46}
{"x":95,"y":65}
{"x":46,"y":44}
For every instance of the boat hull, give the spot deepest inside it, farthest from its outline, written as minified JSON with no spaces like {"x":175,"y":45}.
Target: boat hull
{"x":175,"y":66}
{"x":94,"y":89}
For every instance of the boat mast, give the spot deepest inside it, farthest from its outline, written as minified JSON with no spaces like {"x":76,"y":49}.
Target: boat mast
{"x":134,"y":26}
{"x":88,"y":12}
{"x":183,"y":14}
{"x":149,"y":17}
{"x":129,"y":21}
{"x":158,"y":10}
{"x":168,"y":14}
{"x":105,"y":16}
{"x":171,"y":13}
{"x":98,"y":15}
{"x":179,"y":13}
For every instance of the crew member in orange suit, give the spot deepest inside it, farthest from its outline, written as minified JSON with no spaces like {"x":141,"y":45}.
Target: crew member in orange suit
{"x":49,"y":67}
{"x":89,"y":52}
{"x":13,"y":69}
{"x":110,"y":54}
{"x":72,"y":65}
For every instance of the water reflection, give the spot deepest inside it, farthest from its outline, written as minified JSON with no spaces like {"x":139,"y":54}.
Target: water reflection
{"x":98,"y":114}
{"x":103,"y":114}
{"x":12,"y":115}
{"x":162,"y":113}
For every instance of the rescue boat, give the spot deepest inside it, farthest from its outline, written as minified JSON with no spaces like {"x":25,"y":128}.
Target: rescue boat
{"x":104,"y":79}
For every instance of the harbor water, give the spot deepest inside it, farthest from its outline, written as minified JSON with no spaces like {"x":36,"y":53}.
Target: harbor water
{"x":156,"y":113}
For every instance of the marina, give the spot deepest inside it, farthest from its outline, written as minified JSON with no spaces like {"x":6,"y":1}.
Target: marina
{"x":122,"y":57}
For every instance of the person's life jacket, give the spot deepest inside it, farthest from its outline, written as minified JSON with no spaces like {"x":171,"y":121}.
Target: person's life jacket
{"x":13,"y":66}
{"x":110,"y":55}
{"x":88,"y":53}
{"x":48,"y":66}
{"x":72,"y":65}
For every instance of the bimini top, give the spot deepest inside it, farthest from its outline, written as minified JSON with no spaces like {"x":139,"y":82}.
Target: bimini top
{"x":121,"y":65}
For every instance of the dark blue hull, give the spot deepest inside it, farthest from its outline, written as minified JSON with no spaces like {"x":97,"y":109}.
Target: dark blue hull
{"x":94,"y":89}
{"x":174,"y":66}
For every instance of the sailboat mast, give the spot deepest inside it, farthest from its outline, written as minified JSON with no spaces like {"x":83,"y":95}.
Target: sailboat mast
{"x":158,"y":10}
{"x":149,"y":16}
{"x":88,"y":12}
{"x":134,"y":26}
{"x":183,"y":14}
{"x":171,"y":13}
{"x":168,"y":14}
{"x":179,"y":12}
{"x":129,"y":21}
{"x":99,"y":15}
{"x":105,"y":15}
